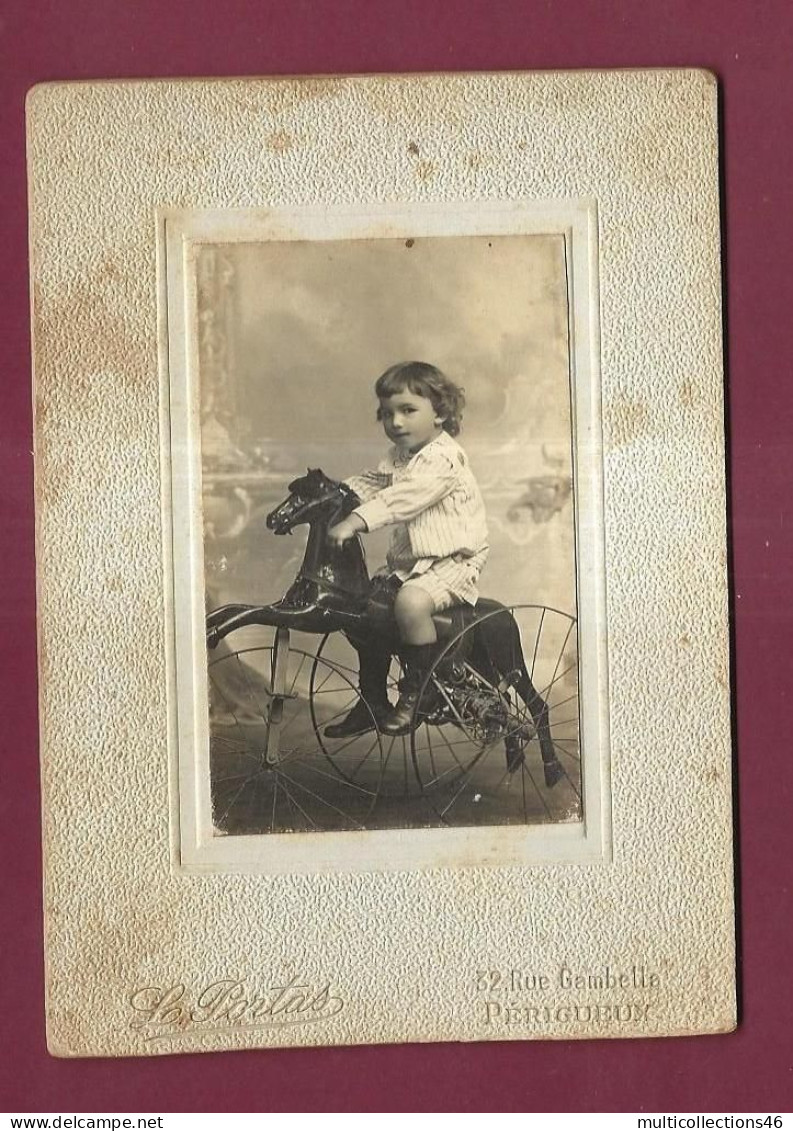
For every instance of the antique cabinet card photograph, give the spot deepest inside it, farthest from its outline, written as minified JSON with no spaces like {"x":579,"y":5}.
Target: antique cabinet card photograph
{"x":382,"y":560}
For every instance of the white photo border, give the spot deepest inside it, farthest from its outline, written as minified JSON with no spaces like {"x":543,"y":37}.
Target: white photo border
{"x":194,"y":847}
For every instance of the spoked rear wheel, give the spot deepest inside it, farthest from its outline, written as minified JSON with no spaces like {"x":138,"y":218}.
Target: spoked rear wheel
{"x":268,"y":772}
{"x":497,"y":736}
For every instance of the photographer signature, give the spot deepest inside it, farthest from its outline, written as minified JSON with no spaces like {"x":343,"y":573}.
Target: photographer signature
{"x":230,"y":1004}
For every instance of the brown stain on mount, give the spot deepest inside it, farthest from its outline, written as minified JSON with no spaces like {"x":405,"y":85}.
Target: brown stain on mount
{"x":280,"y":141}
{"x":390,"y":97}
{"x":687,"y":394}
{"x":109,"y":270}
{"x":425,"y":170}
{"x":79,"y":335}
{"x":270,"y":99}
{"x":627,"y":420}
{"x":81,"y":330}
{"x":41,"y":411}
{"x":315,"y":89}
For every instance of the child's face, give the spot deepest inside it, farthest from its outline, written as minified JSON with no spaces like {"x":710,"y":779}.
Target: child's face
{"x":409,"y":420}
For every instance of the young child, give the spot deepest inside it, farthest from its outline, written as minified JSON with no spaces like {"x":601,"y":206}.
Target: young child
{"x":426,"y":490}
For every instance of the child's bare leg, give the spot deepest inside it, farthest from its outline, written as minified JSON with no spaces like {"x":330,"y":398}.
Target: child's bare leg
{"x":413,"y":610}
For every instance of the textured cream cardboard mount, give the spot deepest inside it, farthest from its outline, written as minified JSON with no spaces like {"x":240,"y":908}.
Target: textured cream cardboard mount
{"x":145,"y":956}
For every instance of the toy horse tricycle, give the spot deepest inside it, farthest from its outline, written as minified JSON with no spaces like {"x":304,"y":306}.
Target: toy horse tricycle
{"x":489,"y":722}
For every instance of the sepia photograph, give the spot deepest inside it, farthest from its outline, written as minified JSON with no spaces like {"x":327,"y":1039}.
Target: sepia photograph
{"x":409,"y":657}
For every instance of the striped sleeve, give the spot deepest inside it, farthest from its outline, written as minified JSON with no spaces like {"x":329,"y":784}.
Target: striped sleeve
{"x":430,"y":477}
{"x":370,"y":483}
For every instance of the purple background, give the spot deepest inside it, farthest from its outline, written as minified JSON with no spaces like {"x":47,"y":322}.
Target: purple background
{"x":750,"y":48}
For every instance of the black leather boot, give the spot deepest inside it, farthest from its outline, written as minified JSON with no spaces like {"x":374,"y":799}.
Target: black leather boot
{"x":361,"y":719}
{"x":373,"y":706}
{"x":417,"y":660}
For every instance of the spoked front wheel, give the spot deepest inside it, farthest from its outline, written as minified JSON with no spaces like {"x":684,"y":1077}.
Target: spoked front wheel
{"x":269,"y":774}
{"x":398,"y":780}
{"x":495,"y":739}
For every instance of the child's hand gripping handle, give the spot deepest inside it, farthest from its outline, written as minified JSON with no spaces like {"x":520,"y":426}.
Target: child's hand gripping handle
{"x":346,"y":529}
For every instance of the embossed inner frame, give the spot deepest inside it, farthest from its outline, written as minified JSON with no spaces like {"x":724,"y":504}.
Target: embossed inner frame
{"x":195,"y":848}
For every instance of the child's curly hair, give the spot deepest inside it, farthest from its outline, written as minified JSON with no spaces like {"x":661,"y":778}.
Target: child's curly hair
{"x":424,"y":380}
